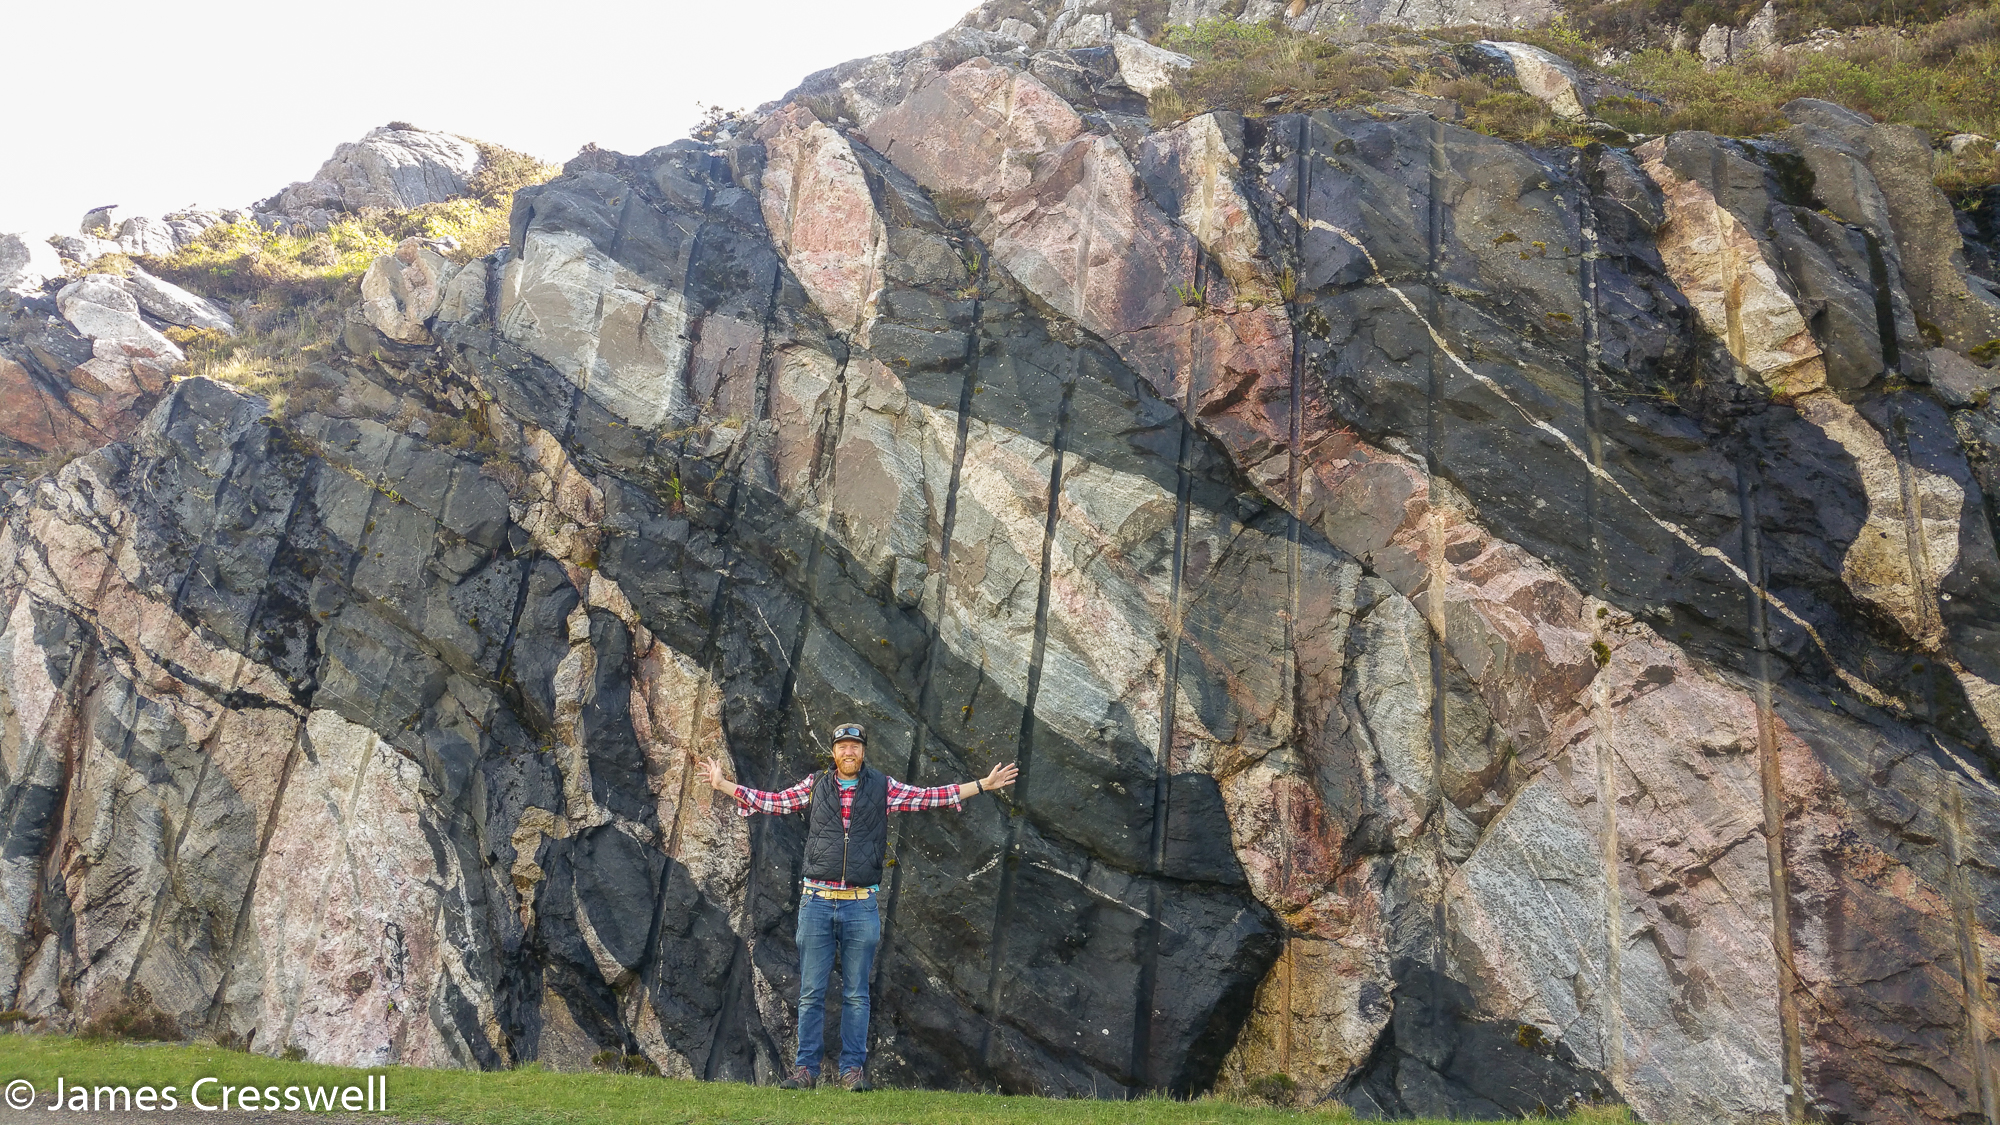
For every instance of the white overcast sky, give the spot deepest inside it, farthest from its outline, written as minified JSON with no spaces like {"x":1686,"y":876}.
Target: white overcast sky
{"x":154,"y":106}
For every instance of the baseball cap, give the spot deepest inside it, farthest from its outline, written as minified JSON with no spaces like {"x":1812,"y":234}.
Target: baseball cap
{"x":850,"y":730}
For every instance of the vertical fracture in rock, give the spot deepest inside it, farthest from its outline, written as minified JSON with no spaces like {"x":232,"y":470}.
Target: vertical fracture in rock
{"x":711,"y":656}
{"x":1003,"y":908}
{"x":1170,"y":678}
{"x":934,"y":621}
{"x":1602,"y":718}
{"x":1774,"y":805}
{"x":1923,"y":577}
{"x":1295,"y":424}
{"x":1971,"y":967}
{"x":1435,"y":584}
{"x":1003,"y":912}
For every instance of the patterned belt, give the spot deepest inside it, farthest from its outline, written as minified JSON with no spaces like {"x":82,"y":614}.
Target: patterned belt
{"x":849,"y":893}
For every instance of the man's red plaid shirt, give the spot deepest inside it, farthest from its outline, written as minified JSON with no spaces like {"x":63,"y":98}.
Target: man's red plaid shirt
{"x":902,"y":798}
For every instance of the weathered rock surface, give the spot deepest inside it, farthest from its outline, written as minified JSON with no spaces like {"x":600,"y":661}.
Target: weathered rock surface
{"x":139,"y":236}
{"x":1548,"y":78}
{"x":81,"y":368}
{"x":393,"y":168}
{"x":27,"y":262}
{"x":1958,"y":144}
{"x":1959,"y":381}
{"x":84,"y":249}
{"x":1145,"y":68}
{"x":402,"y":291}
{"x":1483,"y":628}
{"x":169,"y":303}
{"x":1351,"y":18}
{"x":1720,"y":45}
{"x":96,"y":222}
{"x":81,"y":362}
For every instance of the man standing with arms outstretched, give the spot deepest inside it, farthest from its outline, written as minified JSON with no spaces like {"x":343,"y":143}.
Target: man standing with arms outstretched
{"x":847,"y":836}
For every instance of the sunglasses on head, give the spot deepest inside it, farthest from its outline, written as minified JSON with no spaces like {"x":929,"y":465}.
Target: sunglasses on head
{"x":852,"y":731}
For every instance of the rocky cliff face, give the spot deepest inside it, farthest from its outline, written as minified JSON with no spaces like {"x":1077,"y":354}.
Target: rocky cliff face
{"x":1482,"y":628}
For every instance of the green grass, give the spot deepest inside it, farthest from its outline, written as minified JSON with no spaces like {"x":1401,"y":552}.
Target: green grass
{"x":1633,"y":24}
{"x":291,"y":292}
{"x":532,"y":1096}
{"x":1943,"y":77}
{"x":1259,"y":69}
{"x":1240,"y":65}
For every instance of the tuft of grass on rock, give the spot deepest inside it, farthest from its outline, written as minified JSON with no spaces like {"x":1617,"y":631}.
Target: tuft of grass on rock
{"x":116,"y":264}
{"x":239,"y":261}
{"x":1512,"y":114}
{"x":1259,"y":68}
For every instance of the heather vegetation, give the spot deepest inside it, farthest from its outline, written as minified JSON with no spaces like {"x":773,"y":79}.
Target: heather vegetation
{"x":1935,"y":64}
{"x":1265,"y":68}
{"x":1630,"y":25}
{"x":1943,"y":77}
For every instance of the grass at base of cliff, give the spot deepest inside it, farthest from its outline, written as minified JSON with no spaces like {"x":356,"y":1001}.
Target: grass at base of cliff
{"x":530,"y":1096}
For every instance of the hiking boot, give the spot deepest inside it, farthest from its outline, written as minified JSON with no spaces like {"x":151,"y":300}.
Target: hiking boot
{"x":855,"y":1079}
{"x":801,"y":1079}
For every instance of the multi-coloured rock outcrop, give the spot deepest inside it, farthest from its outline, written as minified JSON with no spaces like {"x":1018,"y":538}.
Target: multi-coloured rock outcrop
{"x":1483,"y":628}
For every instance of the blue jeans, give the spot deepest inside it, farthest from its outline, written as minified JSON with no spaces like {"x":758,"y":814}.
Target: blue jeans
{"x":856,"y":925}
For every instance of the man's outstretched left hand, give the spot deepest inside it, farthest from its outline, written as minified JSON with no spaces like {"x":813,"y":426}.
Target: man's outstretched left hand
{"x":1002,"y":776}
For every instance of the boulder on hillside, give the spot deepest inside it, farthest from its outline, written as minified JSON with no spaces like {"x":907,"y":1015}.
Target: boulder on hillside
{"x":83,"y":249}
{"x":97,"y":221}
{"x":1720,"y":46}
{"x":184,"y":226}
{"x":26,"y":262}
{"x":392,"y":167}
{"x":1960,"y":143}
{"x":163,"y":300}
{"x":1144,"y":67}
{"x":80,"y":370}
{"x":1074,"y":29}
{"x":401,"y":291}
{"x":1545,"y":76}
{"x":140,"y":236}
{"x":126,"y":351}
{"x":144,"y":236}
